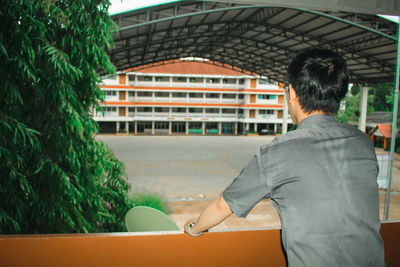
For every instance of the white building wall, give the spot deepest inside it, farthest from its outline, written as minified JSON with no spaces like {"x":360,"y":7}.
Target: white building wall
{"x":131,"y":102}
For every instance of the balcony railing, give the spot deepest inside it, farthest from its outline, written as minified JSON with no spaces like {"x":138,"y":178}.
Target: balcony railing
{"x":223,"y":248}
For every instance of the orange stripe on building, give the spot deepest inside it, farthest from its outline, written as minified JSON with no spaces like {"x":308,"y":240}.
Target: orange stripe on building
{"x":112,"y":103}
{"x":188,"y":89}
{"x":262,"y":91}
{"x":261,"y":106}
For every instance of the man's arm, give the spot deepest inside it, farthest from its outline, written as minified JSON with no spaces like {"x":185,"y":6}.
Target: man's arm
{"x":216,"y":212}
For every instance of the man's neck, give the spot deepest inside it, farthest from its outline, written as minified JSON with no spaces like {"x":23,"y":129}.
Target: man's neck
{"x":302,"y":115}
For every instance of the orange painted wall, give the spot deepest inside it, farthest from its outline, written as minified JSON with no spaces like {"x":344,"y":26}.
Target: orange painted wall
{"x":122,"y":95}
{"x":253,"y":83}
{"x":280,"y":99}
{"x":122,"y":111}
{"x":244,"y":248}
{"x":252,"y":114}
{"x":231,"y":248}
{"x":252,"y":98}
{"x":122,"y":79}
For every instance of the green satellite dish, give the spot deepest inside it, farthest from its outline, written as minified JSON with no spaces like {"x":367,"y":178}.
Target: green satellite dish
{"x":146,"y":219}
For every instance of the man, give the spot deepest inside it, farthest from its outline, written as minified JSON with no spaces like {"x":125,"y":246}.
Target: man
{"x":321,"y":177}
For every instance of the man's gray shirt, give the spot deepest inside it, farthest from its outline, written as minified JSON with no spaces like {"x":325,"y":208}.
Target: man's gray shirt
{"x":322,"y":180}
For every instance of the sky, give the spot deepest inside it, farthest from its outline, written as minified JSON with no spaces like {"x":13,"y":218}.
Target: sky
{"x":118,"y":6}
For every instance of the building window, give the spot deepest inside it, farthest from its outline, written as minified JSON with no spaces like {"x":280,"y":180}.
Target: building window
{"x":263,"y":81}
{"x":144,"y":109}
{"x":241,"y":81}
{"x":110,"y":93}
{"x":179,"y":110}
{"x":178,"y":94}
{"x":195,"y":127}
{"x":229,"y":81}
{"x":179,"y":79}
{"x":131,"y":78}
{"x":228,"y":111}
{"x":195,"y":80}
{"x":131,"y":94}
{"x":195,"y":95}
{"x":161,"y":109}
{"x":131,"y":109}
{"x":240,"y":111}
{"x":195,"y":110}
{"x":265,"y":111}
{"x":144,"y":94}
{"x":266,"y":97}
{"x":144,"y":127}
{"x":161,"y":94}
{"x":212,"y":110}
{"x":241,"y":96}
{"x":145,"y":78}
{"x":229,"y":96}
{"x":212,"y":95}
{"x":161,"y":125}
{"x":161,"y":79}
{"x":213,"y":80}
{"x":109,"y":109}
{"x":109,"y":77}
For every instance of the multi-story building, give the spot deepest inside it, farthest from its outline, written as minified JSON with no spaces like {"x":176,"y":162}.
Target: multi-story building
{"x":190,"y":97}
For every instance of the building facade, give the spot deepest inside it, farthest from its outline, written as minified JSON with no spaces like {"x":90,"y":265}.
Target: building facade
{"x":190,"y":97}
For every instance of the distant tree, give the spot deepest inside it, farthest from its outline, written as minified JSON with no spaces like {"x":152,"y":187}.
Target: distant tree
{"x":54,"y":176}
{"x":351,"y":113}
{"x":381,"y":93}
{"x":355,"y":89}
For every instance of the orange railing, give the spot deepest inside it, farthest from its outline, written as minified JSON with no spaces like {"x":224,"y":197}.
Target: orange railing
{"x":223,"y":248}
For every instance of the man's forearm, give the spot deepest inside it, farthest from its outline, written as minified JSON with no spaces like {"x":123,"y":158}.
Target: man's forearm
{"x":216,"y":212}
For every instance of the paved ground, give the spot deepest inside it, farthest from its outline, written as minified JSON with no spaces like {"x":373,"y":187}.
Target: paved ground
{"x":191,"y":170}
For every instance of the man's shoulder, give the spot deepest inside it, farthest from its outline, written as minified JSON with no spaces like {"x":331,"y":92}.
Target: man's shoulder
{"x":287,"y":139}
{"x":299,"y":136}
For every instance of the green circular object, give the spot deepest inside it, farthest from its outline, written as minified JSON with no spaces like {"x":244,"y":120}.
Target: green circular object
{"x":146,"y":219}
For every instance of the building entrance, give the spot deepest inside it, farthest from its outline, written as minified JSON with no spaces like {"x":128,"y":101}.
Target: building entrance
{"x":178,"y":127}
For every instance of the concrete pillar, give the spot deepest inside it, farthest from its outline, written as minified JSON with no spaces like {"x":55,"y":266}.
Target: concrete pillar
{"x":135,"y":127}
{"x":363,"y":108}
{"x":186,"y":127}
{"x":152,"y":127}
{"x":203,"y":128}
{"x":219,"y":128}
{"x":285,"y":115}
{"x":127,"y":126}
{"x":236,"y":127}
{"x":256,"y":127}
{"x":169,"y":127}
{"x":117,"y":127}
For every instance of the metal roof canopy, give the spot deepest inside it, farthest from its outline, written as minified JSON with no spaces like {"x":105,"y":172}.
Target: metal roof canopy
{"x":387,"y":7}
{"x":257,"y":38}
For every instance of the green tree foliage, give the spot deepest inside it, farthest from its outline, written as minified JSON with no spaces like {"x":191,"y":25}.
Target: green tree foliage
{"x":381,"y":93}
{"x":54,"y":176}
{"x":351,"y":113}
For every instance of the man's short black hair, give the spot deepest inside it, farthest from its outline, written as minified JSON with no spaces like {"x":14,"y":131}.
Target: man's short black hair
{"x":320,"y":80}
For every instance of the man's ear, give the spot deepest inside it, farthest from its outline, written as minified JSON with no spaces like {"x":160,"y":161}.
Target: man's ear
{"x":292,"y":93}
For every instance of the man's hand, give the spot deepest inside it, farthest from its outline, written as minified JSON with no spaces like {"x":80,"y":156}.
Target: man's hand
{"x":192,"y":220}
{"x":216,"y":212}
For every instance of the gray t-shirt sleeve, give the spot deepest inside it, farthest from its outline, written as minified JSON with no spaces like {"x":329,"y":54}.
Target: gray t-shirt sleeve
{"x":247,"y":189}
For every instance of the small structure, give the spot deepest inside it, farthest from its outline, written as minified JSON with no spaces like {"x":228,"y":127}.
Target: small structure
{"x":381,"y":132}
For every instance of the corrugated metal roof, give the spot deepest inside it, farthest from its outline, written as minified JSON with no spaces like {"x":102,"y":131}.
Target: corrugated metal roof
{"x":186,"y":67}
{"x":257,"y":38}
